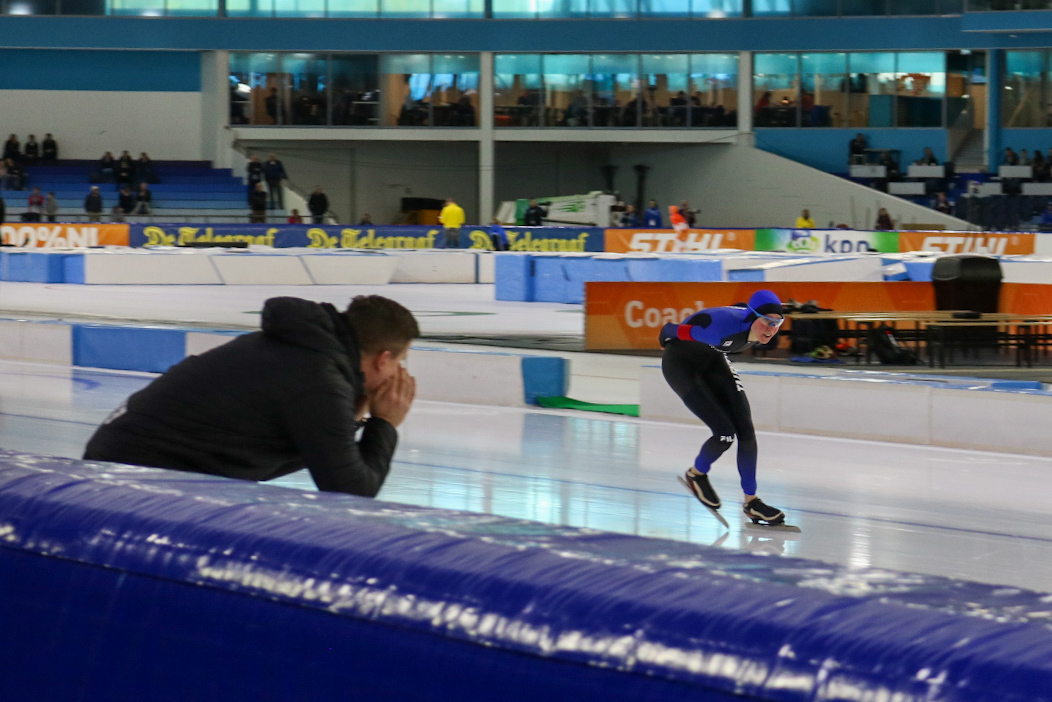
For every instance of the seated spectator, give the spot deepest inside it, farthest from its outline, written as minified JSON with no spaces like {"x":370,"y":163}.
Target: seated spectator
{"x":1011,"y":159}
{"x":49,"y":149}
{"x":928,"y":159}
{"x":884,"y":223}
{"x":295,"y":217}
{"x":51,"y":207}
{"x":34,"y":206}
{"x":93,"y":204}
{"x":12,"y":149}
{"x":144,"y":171}
{"x":126,"y":200}
{"x":125,"y":169}
{"x":143,"y":200}
{"x":32,"y":150}
{"x":117,"y":215}
{"x":17,"y":174}
{"x":367,"y":220}
{"x":5,"y":177}
{"x":497,"y":236}
{"x":1045,"y":220}
{"x":804,"y":221}
{"x":1024,"y":158}
{"x":856,"y":149}
{"x":652,"y":216}
{"x":1040,"y":165}
{"x":630,"y":218}
{"x":942,"y":204}
{"x":107,"y":168}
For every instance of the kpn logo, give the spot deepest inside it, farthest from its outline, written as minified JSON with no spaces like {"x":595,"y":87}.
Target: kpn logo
{"x":802,"y":241}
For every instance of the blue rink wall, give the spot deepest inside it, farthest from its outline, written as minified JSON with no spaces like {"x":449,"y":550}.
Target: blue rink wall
{"x":123,"y":583}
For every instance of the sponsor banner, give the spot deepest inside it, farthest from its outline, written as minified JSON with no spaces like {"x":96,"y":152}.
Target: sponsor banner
{"x":1025,"y":298}
{"x":64,"y":235}
{"x":967,"y":242}
{"x":825,"y":241}
{"x":672,"y":241}
{"x":336,"y":237}
{"x":623,"y":316}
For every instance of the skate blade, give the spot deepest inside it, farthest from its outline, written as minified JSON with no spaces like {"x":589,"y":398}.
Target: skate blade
{"x":788,"y":531}
{"x":719,"y":517}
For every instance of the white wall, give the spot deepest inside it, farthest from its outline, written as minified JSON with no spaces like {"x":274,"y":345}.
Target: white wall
{"x":550,"y":169}
{"x":741,"y":186}
{"x":166,"y":125}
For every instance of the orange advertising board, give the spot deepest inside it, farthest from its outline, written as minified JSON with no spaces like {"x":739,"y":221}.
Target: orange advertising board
{"x":622,"y":316}
{"x":965,"y":242}
{"x":671,"y":241}
{"x":46,"y":234}
{"x":1025,"y":298}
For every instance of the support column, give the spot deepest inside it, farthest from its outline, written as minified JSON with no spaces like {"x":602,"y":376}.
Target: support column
{"x":995,"y":74}
{"x":215,"y":108}
{"x":487,"y":167}
{"x":745,"y":100}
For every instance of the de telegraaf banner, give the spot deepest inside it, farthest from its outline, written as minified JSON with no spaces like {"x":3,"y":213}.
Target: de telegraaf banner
{"x":383,"y":237}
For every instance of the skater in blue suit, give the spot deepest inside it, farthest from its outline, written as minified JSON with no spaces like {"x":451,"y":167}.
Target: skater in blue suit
{"x":695,"y":365}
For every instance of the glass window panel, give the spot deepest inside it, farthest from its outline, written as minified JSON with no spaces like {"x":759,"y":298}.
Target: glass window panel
{"x":458,"y":8}
{"x":83,"y":7}
{"x":518,"y":91}
{"x":1022,"y":102}
{"x":823,"y":97}
{"x":913,"y":7}
{"x":713,"y":90}
{"x":615,"y":100}
{"x":613,"y":8}
{"x":666,"y":81}
{"x":299,"y":8}
{"x":857,"y":8}
{"x":921,"y":85}
{"x":815,"y":8}
{"x":775,"y":88}
{"x":32,"y":7}
{"x":250,"y":8}
{"x":771,"y":8}
{"x":192,"y":8}
{"x":353,"y":8}
{"x":405,"y":8}
{"x":305,"y":95}
{"x":142,"y":8}
{"x":664,"y":8}
{"x":871,"y":89}
{"x":255,"y":86}
{"x":512,"y":9}
{"x":455,"y":91}
{"x":405,"y":90}
{"x":568,"y":90}
{"x":716,"y":8}
{"x":355,"y":89}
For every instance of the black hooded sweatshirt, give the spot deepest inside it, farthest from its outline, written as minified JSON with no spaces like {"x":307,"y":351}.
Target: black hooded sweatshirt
{"x":261,"y":406}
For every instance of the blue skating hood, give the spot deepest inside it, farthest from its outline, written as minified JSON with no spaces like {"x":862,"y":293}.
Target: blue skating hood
{"x":764,"y":302}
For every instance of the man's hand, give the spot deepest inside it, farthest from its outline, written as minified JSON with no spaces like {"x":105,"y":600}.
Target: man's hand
{"x":394,"y":397}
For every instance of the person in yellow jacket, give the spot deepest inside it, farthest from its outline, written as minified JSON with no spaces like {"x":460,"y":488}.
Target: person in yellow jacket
{"x":804,"y":221}
{"x":452,"y":219}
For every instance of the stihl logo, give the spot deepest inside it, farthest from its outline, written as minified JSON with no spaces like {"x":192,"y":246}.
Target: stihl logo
{"x":966,"y":244}
{"x":670,"y":242}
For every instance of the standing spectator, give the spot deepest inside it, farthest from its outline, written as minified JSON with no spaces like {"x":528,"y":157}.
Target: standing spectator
{"x":12,"y":149}
{"x":125,"y":169}
{"x":274,"y":173}
{"x":1046,"y":218}
{"x":143,"y":200}
{"x":49,"y":149}
{"x":688,"y":214}
{"x":928,"y":159}
{"x":652,"y":216}
{"x":254,"y":173}
{"x":452,"y":219}
{"x":3,"y":210}
{"x":32,"y":150}
{"x":1024,"y":158}
{"x":497,"y":236}
{"x":295,"y":217}
{"x":144,"y":171}
{"x":5,"y":177}
{"x":534,"y":215}
{"x":117,"y":215}
{"x":884,"y":223}
{"x":942,"y":204}
{"x":630,"y":218}
{"x":93,"y":204}
{"x":17,"y":174}
{"x":676,"y":219}
{"x":258,"y":204}
{"x":126,"y":200}
{"x":1041,"y":166}
{"x":51,"y":207}
{"x":804,"y":221}
{"x":856,"y":149}
{"x":318,"y":204}
{"x":1011,"y":159}
{"x":107,"y":168}
{"x":367,"y":220}
{"x":35,"y":206}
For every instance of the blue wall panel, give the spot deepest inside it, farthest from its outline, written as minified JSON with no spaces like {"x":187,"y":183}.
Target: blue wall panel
{"x":165,"y":71}
{"x":826,"y":149}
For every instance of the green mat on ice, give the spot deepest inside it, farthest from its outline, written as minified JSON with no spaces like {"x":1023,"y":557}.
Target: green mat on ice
{"x":570,"y":403}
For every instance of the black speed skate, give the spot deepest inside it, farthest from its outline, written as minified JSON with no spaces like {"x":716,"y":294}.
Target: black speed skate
{"x":698,"y":484}
{"x":761,"y":513}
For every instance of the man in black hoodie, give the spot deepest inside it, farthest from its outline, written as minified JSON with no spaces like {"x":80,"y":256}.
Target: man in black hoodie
{"x":272,"y":402}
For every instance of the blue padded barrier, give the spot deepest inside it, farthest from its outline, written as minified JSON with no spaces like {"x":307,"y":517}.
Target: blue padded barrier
{"x":14,"y":267}
{"x":73,"y":268}
{"x":920,"y":271}
{"x":550,"y":279}
{"x":580,"y":270}
{"x":544,"y":376}
{"x":44,"y":268}
{"x":127,"y":348}
{"x":119,"y":582}
{"x":513,"y":277}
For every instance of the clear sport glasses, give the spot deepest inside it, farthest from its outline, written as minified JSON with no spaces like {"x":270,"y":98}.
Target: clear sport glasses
{"x":772,"y":322}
